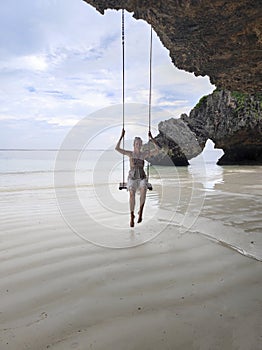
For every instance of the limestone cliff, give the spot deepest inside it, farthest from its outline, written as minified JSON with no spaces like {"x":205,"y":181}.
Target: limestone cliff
{"x":218,"y":38}
{"x":232,"y":120}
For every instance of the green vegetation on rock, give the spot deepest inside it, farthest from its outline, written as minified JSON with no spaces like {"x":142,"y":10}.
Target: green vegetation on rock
{"x":249,"y":103}
{"x":201,"y":101}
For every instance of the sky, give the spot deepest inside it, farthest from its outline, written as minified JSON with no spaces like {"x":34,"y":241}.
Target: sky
{"x":61,"y":64}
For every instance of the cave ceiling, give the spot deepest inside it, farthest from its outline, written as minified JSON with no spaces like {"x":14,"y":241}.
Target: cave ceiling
{"x":220,"y":39}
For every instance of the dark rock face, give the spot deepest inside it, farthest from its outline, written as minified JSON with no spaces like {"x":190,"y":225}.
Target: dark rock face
{"x":178,"y":132}
{"x":177,"y":142}
{"x":242,"y":155}
{"x":170,"y":153}
{"x":221,"y":39}
{"x":233,"y":121}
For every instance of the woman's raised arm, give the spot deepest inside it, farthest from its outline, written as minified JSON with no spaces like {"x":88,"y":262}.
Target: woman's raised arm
{"x":118,"y":148}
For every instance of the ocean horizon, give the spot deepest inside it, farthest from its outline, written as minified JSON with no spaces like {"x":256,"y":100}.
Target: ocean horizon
{"x":227,"y":197}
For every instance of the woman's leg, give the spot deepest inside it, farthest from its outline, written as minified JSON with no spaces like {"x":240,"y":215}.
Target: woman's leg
{"x":132,"y":203}
{"x":142,"y":203}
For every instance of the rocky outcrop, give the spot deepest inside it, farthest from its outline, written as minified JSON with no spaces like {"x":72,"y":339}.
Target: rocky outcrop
{"x":233,"y":121}
{"x":221,"y":39}
{"x":177,"y":143}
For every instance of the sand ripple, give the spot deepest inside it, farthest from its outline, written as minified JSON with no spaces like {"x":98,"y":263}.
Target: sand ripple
{"x":177,"y":291}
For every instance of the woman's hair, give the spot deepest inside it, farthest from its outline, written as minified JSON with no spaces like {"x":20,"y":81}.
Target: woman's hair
{"x":137,"y":138}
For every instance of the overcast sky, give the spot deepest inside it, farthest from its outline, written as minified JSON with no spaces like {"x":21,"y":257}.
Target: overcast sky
{"x":61,"y":62}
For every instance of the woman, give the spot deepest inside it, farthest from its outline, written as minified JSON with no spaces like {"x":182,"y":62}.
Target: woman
{"x":137,"y":180}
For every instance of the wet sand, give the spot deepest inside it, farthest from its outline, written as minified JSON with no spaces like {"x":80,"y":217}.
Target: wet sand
{"x":177,"y":291}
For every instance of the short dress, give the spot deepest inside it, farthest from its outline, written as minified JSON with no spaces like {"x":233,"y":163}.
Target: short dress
{"x":137,"y":177}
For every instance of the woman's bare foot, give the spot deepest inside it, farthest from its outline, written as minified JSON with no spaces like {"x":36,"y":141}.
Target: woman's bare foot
{"x":132,"y":222}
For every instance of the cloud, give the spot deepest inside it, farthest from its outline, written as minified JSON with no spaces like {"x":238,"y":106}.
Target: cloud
{"x":62,"y":61}
{"x":30,"y":133}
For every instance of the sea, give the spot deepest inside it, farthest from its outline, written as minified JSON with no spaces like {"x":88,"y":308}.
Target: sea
{"x":221,"y":203}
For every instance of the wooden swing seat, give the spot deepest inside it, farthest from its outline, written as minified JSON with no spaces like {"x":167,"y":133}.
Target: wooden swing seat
{"x":123,"y":186}
{"x":149,"y":186}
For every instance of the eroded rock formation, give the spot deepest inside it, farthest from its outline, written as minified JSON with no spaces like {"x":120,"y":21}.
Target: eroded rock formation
{"x":218,"y":38}
{"x":177,"y":142}
{"x":221,"y":39}
{"x":232,"y":120}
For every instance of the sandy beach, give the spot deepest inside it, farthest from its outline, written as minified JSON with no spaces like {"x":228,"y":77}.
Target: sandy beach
{"x":95,"y":94}
{"x":180,"y":290}
{"x":75,"y":276}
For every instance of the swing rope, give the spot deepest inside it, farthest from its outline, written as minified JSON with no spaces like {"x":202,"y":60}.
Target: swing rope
{"x":123,"y":185}
{"x":150,"y":80}
{"x":150,"y":94}
{"x":123,"y":90}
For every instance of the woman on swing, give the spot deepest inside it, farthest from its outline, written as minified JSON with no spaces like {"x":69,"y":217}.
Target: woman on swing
{"x":137,"y":179}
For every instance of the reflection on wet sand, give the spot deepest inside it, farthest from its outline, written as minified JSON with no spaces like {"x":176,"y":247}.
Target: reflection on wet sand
{"x":223,"y":203}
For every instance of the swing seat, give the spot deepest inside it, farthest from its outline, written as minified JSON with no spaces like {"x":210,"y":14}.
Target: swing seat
{"x":149,"y":186}
{"x":123,"y":186}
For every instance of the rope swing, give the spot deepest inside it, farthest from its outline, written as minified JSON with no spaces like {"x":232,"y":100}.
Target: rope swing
{"x":123,"y":184}
{"x":149,"y":186}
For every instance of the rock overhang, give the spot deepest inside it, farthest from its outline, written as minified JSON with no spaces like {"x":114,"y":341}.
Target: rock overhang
{"x":220,"y":39}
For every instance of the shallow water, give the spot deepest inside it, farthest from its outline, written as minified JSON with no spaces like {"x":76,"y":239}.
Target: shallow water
{"x":221,"y":203}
